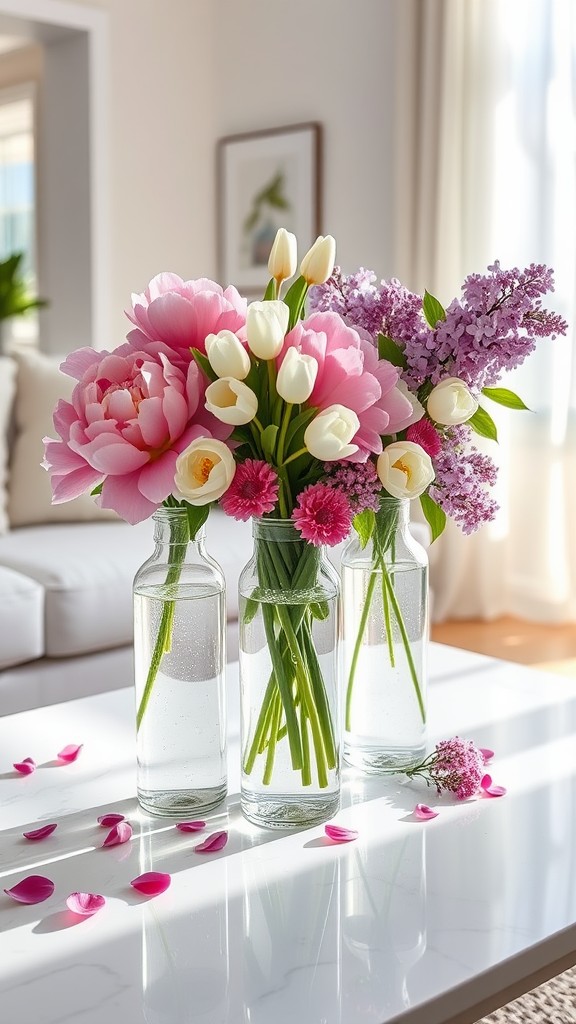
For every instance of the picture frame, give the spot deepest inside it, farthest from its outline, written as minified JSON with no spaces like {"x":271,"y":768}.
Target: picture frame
{"x":266,"y":180}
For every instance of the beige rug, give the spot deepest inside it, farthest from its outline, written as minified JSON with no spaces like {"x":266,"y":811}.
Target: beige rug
{"x":552,"y":1003}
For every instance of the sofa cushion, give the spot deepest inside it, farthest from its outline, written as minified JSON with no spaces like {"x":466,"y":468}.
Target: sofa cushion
{"x":7,"y":391}
{"x":40,"y":384}
{"x":87,"y":569}
{"x":22,"y":618}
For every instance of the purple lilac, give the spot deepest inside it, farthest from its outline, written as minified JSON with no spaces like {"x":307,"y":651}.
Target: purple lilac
{"x":493,"y":328}
{"x":358,"y":481}
{"x":387,"y":307}
{"x":455,"y":766}
{"x":462,"y":474}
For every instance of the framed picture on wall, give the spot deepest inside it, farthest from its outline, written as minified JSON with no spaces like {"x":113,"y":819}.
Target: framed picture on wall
{"x":266,"y":180}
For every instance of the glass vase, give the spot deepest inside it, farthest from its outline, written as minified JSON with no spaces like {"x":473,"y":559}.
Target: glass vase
{"x":289,"y":649}
{"x":179,"y":661}
{"x":385,"y":635}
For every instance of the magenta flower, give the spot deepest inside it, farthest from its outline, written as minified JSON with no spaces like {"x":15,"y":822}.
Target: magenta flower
{"x":350,"y":374}
{"x":454,"y":766}
{"x":253,"y":491}
{"x":172,"y":316}
{"x":323,"y":515}
{"x":129,"y":418}
{"x":425,"y":434}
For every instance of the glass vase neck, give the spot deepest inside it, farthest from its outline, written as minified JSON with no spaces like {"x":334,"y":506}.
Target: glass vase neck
{"x":399,"y":508}
{"x":171,"y":526}
{"x":277,"y":530}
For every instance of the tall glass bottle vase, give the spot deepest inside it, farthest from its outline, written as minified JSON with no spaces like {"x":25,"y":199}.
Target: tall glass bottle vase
{"x":385,"y":633}
{"x":289,"y":637}
{"x":179,"y":655}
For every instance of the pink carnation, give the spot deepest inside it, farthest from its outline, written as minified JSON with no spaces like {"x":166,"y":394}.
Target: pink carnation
{"x":253,"y":491}
{"x":129,"y":418}
{"x":323,"y":515}
{"x":350,"y":374}
{"x":172,"y":316}
{"x":426,"y":435}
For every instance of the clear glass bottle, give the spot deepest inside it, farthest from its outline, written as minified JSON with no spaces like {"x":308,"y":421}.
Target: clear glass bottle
{"x":289,"y":651}
{"x":385,"y":635}
{"x":179,"y":661}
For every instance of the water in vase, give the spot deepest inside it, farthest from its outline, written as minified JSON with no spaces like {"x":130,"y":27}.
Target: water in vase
{"x":181,"y":739}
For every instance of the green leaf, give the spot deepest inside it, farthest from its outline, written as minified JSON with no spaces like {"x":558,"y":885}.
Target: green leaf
{"x":268,"y":440}
{"x":270,"y":292}
{"x":503,"y":396}
{"x":250,"y":609}
{"x":435,"y":516}
{"x":299,"y":422}
{"x":197,"y":516}
{"x":388,"y":349}
{"x":204,"y":364}
{"x":294,"y":299}
{"x":483,"y":424}
{"x":97,"y":489}
{"x":319,"y":611}
{"x":433,"y":310}
{"x":364,"y":524}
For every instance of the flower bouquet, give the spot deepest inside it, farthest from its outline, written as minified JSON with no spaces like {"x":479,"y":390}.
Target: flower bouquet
{"x":448,"y":361}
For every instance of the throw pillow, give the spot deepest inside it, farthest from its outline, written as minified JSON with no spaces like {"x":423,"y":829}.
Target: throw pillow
{"x":40,"y":384}
{"x":7,"y":389}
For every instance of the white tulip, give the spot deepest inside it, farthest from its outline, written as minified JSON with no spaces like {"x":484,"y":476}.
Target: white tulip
{"x":329,"y":434}
{"x":227,"y":355}
{"x":283,"y":257}
{"x":318,"y":262}
{"x":266,"y":326}
{"x":451,"y":402}
{"x":204,"y":471}
{"x":231,"y":401}
{"x":405,"y":469}
{"x":296,"y":376}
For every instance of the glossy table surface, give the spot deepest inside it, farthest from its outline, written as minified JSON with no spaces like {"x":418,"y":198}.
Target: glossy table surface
{"x":414,"y":921}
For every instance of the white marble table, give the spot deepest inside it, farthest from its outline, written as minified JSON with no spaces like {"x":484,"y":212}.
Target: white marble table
{"x":414,"y":922}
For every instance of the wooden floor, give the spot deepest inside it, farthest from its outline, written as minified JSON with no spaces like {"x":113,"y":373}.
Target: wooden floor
{"x":548,"y":647}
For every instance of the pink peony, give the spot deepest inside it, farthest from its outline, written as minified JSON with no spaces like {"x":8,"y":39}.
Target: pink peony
{"x":323,"y":515}
{"x":129,"y":418}
{"x":350,"y":374}
{"x":172,"y":316}
{"x":253,"y":491}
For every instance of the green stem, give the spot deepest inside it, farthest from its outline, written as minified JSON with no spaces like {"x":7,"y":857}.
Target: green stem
{"x":283,"y":431}
{"x":358,"y":645}
{"x":405,"y":641}
{"x":274,"y":726}
{"x":295,"y":455}
{"x":387,"y":622}
{"x":177,"y":553}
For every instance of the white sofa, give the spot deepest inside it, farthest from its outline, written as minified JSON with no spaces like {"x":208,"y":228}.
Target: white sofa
{"x":66,"y":571}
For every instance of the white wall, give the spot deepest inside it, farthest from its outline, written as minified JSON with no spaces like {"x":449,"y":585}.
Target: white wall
{"x":289,"y":61}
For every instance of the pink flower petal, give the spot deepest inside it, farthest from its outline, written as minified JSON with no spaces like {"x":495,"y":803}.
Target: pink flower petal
{"x":84,"y":903}
{"x":424,"y":813}
{"x":339,"y":834}
{"x":191,"y":826}
{"x":217,"y":841}
{"x":152,"y":883}
{"x":119,"y":834}
{"x":107,"y":820}
{"x":32,"y":889}
{"x":487,"y":754}
{"x":25,"y":767}
{"x":70,"y":753}
{"x":489,"y":790}
{"x":40,"y":833}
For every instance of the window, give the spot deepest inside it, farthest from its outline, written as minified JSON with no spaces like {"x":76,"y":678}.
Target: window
{"x":17,"y":193}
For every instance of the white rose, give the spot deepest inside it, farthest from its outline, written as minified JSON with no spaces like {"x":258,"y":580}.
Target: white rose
{"x":318,"y":262}
{"x":227,"y":355}
{"x":283,"y":258}
{"x":329,"y":434}
{"x":451,"y":402}
{"x":405,"y":469}
{"x":266,"y":326}
{"x":296,"y":377}
{"x":204,"y":471}
{"x":231,"y":401}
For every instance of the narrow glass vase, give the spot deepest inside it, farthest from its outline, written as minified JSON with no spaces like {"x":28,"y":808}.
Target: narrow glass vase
{"x":385,"y":636}
{"x":179,"y":660}
{"x":289,"y":637}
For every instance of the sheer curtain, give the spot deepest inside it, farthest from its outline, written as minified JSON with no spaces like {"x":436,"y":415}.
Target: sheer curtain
{"x":485,"y":153}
